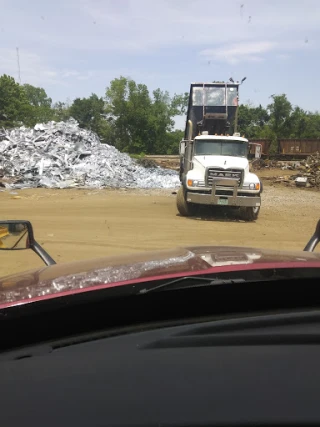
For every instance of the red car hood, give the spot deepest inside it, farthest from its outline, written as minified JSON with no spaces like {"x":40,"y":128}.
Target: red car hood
{"x":82,"y":276}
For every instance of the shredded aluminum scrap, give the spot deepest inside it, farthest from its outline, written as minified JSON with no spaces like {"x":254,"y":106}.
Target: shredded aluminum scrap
{"x":62,"y":155}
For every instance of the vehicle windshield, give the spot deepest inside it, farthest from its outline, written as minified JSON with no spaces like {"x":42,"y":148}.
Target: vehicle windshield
{"x":220,"y":148}
{"x":105,"y":103}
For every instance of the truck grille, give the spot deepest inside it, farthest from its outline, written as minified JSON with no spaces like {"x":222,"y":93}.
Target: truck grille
{"x":224,"y":173}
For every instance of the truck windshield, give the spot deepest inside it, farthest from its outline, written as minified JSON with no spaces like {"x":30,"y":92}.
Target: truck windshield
{"x":220,"y":148}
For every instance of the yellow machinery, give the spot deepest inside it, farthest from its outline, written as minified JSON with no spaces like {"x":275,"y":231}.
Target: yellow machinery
{"x":3,"y":233}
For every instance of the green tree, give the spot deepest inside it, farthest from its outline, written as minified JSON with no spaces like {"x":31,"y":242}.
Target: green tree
{"x":88,"y":112}
{"x":311,"y":126}
{"x":37,"y":96}
{"x":171,"y":142}
{"x":179,"y":103}
{"x":117,"y":112}
{"x":139,"y":119}
{"x":140,"y":122}
{"x":61,"y":111}
{"x":161,"y":121}
{"x":279,"y":120}
{"x":41,"y":111}
{"x":280,"y":110}
{"x":252,"y":119}
{"x":14,"y":106}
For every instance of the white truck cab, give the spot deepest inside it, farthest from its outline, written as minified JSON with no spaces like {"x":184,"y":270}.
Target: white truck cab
{"x":214,"y":169}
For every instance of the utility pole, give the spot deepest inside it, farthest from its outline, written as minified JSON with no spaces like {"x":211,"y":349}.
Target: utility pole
{"x":18,"y":61}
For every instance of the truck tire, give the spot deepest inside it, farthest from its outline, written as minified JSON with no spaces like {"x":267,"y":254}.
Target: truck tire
{"x":250,"y":213}
{"x":185,"y":208}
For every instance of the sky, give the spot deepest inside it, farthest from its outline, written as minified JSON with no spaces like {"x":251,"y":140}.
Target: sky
{"x":73,"y":48}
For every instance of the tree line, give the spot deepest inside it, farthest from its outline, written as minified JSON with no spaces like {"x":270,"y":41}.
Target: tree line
{"x":280,"y":119}
{"x":128,"y":116}
{"x":136,"y":121}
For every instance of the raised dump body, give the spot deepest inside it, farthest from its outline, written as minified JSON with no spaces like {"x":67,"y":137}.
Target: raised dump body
{"x":212,"y":107}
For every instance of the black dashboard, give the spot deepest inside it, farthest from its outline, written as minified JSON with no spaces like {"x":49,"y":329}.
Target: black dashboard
{"x":248,"y":371}
{"x":198,"y":357}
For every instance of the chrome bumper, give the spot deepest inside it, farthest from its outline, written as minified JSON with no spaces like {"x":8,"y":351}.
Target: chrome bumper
{"x":232,"y":200}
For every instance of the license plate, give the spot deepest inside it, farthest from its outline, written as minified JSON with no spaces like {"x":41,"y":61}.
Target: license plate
{"x":223,"y":201}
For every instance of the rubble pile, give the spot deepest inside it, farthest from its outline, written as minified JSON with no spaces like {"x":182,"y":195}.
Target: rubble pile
{"x":309,"y":174}
{"x":62,"y":155}
{"x":293,"y":165}
{"x":275,"y":164}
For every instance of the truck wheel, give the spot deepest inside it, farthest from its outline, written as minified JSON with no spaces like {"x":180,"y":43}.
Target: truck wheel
{"x":185,"y":208}
{"x":250,"y":214}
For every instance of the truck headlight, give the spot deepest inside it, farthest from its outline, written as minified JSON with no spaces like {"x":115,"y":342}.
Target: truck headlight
{"x":192,"y":182}
{"x":253,"y":186}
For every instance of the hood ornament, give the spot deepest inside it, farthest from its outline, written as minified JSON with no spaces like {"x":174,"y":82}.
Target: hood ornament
{"x":225,"y":162}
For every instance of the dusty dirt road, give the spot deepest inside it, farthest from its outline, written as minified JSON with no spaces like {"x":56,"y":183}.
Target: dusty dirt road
{"x":78,"y":224}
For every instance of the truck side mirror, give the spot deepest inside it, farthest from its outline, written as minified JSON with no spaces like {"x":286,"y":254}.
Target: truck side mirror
{"x":311,"y":245}
{"x":258,"y":151}
{"x":182,"y":148}
{"x":18,"y":235}
{"x":15,"y":235}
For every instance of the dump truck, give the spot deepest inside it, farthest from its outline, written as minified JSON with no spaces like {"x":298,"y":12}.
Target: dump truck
{"x":214,"y":166}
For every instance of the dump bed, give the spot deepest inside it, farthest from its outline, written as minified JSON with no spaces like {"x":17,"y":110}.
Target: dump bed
{"x":212,"y":107}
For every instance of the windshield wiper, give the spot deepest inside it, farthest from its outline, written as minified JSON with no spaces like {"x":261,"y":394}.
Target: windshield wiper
{"x":185,"y":281}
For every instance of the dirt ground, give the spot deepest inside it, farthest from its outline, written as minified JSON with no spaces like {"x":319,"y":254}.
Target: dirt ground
{"x":78,"y":224}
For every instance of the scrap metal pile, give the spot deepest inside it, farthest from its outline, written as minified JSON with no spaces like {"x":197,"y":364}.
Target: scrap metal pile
{"x":62,"y":155}
{"x":309,"y":172}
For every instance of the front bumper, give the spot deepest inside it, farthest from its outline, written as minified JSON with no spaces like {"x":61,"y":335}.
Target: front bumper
{"x":224,"y":200}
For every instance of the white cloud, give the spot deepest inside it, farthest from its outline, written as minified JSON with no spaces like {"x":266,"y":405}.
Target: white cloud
{"x":251,"y":51}
{"x":32,"y":69}
{"x":234,"y":53}
{"x":35,"y":70}
{"x":283,"y":56}
{"x":80,"y":45}
{"x":142,"y":25}
{"x":70,"y":73}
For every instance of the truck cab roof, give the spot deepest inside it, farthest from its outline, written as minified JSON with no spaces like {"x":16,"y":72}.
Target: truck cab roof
{"x":219,"y":137}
